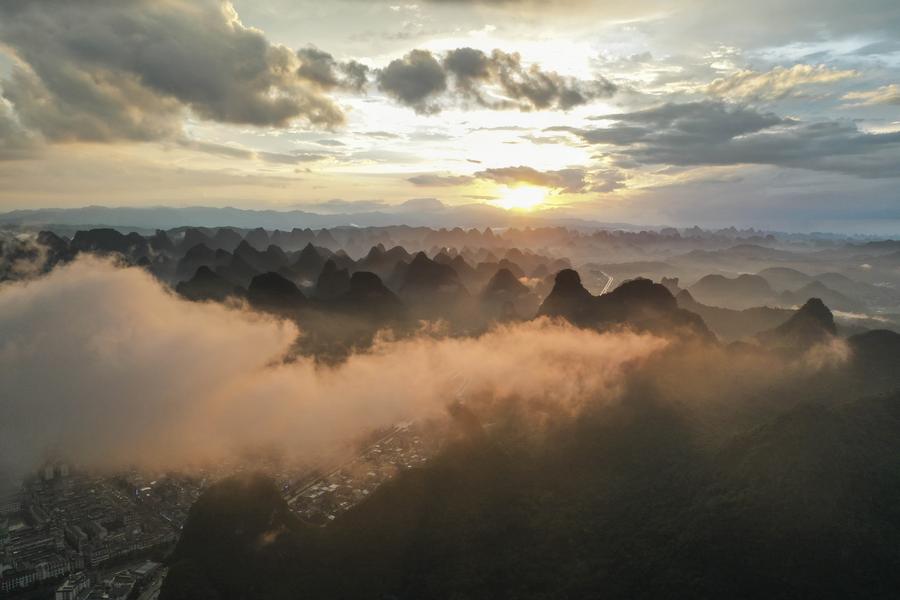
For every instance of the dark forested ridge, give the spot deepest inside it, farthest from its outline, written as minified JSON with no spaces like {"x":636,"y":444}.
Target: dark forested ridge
{"x":787,"y":490}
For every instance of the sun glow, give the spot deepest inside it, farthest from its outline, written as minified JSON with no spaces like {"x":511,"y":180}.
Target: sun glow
{"x":524,"y":197}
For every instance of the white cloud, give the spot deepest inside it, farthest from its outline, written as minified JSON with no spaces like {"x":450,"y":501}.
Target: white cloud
{"x":776,"y":84}
{"x":886,"y":94}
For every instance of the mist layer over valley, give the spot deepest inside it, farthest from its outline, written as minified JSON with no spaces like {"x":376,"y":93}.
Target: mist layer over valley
{"x":491,"y":414}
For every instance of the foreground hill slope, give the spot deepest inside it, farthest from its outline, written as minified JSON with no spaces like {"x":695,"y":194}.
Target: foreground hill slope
{"x":797,"y":496}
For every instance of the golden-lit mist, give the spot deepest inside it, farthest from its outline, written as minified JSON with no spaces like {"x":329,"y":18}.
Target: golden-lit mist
{"x":110,"y":369}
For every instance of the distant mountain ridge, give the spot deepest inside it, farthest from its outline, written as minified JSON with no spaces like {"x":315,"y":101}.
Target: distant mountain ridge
{"x":410,"y":213}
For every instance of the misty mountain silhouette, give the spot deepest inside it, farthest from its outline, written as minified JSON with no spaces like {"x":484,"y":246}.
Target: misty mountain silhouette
{"x":732,"y":324}
{"x":369,"y":296}
{"x":332,"y":282}
{"x":110,"y":240}
{"x":226,"y":238}
{"x":431,"y":290}
{"x":438,"y":288}
{"x":784,"y":279}
{"x":817,"y":289}
{"x":309,"y":263}
{"x":504,"y":283}
{"x":271,"y":291}
{"x":325,"y":239}
{"x":383,"y":262}
{"x":467,"y":274}
{"x":639,"y":302}
{"x":812,"y":324}
{"x":257,"y":238}
{"x":207,"y":285}
{"x":272,"y":258}
{"x":237,"y":270}
{"x":744,"y":291}
{"x":199,"y":255}
{"x":426,"y":275}
{"x":506,"y":298}
{"x":568,"y":299}
{"x":193,"y":237}
{"x":58,"y":249}
{"x":161,"y":242}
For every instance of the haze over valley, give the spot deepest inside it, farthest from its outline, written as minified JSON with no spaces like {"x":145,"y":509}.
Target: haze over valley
{"x":453,"y":300}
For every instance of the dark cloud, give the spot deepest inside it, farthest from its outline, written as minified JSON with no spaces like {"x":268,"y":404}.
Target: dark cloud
{"x":356,"y":75}
{"x":320,"y":68}
{"x":101,"y":70}
{"x":414,"y":80}
{"x":497,"y":80}
{"x":714,"y":133}
{"x":693,"y":121}
{"x":74,"y":105}
{"x":603,"y":181}
{"x":471,"y":68}
{"x":525,"y":88}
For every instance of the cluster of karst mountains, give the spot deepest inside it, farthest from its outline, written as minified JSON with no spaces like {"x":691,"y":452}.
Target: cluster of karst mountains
{"x":310,"y":276}
{"x":726,"y":470}
{"x":740,"y":462}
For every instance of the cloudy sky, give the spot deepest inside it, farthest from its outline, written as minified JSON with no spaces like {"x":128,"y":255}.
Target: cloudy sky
{"x":776,"y":113}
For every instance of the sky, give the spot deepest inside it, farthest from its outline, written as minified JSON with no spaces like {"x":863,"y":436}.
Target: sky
{"x":775,"y":114}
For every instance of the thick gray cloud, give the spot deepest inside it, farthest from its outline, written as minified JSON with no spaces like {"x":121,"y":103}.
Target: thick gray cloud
{"x":320,"y":67}
{"x":471,"y":68}
{"x":102,"y":69}
{"x":497,"y":80}
{"x":414,"y":80}
{"x":714,"y":133}
{"x":525,"y":88}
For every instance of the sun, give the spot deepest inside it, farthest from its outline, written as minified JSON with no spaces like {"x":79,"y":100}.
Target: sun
{"x":525,"y":197}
